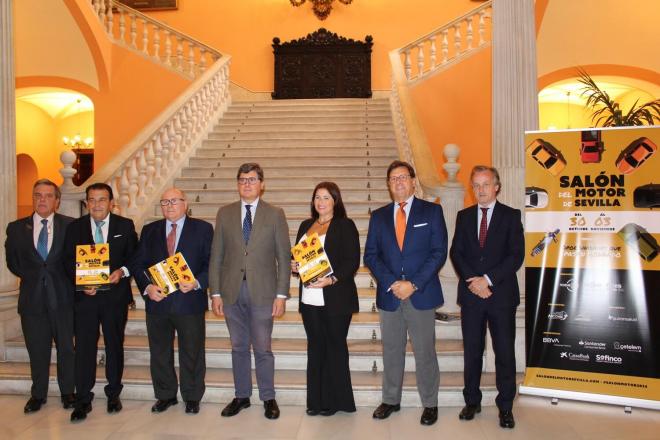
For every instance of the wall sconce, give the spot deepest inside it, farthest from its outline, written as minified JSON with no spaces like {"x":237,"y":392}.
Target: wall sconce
{"x":321,"y":8}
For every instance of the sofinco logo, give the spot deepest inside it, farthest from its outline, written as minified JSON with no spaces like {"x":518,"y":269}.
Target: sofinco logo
{"x":627,"y":347}
{"x":558,"y":315}
{"x":607,"y":359}
{"x":592,"y":345}
{"x":574,"y":356}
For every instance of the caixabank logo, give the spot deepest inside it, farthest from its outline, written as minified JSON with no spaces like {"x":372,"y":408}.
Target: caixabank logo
{"x":607,"y":359}
{"x":627,"y":347}
{"x":582,"y":357}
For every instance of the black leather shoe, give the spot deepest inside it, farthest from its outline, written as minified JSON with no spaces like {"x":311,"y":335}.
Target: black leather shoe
{"x":68,"y":401}
{"x":328,"y":412}
{"x":80,"y":412}
{"x":235,"y":406}
{"x":468,"y":412}
{"x":429,"y":416}
{"x":506,"y":419}
{"x":271,"y":410}
{"x":33,"y":405}
{"x":312,"y":412}
{"x":114,"y":405}
{"x":192,"y":407}
{"x":162,"y":404}
{"x":384,"y":410}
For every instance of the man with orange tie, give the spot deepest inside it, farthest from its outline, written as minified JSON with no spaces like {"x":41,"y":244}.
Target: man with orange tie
{"x":182,"y":310}
{"x":406,"y":247}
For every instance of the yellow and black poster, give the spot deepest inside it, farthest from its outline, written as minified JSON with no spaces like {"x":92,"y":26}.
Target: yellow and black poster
{"x":592,"y":270}
{"x":93,"y":266}
{"x":170,"y":272}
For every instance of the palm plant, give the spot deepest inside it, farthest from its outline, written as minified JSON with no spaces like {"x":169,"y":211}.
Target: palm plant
{"x":607,"y":112}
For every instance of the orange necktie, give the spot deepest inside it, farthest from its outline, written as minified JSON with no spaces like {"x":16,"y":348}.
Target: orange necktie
{"x":401,"y":224}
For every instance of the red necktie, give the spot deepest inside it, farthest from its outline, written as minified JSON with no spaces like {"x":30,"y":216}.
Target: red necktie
{"x":483,"y":227}
{"x":401,"y":224}
{"x":171,"y":240}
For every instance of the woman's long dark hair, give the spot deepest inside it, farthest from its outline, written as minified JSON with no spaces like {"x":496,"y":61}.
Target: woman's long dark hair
{"x":339,"y":210}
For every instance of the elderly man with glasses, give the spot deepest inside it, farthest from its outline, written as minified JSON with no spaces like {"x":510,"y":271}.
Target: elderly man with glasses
{"x":181,"y":310}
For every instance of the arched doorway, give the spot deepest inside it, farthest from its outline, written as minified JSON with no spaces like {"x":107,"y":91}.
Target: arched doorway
{"x":26,"y":175}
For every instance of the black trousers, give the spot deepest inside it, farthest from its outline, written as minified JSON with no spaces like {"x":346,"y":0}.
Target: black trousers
{"x":502,"y":324}
{"x":191,"y":334}
{"x":90,"y":312}
{"x":40,"y":331}
{"x":328,"y":374}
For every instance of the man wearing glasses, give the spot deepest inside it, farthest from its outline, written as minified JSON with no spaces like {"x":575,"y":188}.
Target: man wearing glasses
{"x":249,"y":283}
{"x":45,"y":300}
{"x":107,"y":308}
{"x":406,"y":247}
{"x":182,"y":310}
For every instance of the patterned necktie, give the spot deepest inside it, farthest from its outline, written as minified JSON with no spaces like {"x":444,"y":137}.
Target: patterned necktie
{"x":171,"y":240}
{"x":247,"y":223}
{"x":483,"y":227}
{"x":98,"y":236}
{"x":401,"y":224}
{"x":42,"y":241}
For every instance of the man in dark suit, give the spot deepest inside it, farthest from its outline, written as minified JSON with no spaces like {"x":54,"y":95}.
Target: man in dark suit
{"x":181,"y":310}
{"x":406,"y":247}
{"x":45,"y":300}
{"x":108,"y":308}
{"x":487,"y":250}
{"x":249,"y":276}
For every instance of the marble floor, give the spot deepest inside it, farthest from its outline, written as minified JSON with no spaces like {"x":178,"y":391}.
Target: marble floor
{"x":536,"y":419}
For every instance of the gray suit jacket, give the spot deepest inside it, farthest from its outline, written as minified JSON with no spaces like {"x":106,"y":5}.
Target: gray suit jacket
{"x":264,"y":261}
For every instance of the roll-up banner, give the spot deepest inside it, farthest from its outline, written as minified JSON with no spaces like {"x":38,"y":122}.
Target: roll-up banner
{"x":592,"y":270}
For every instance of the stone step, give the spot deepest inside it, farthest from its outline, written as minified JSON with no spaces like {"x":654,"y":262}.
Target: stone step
{"x":311,"y":103}
{"x":280,"y":182}
{"x":276,"y":142}
{"x":329,"y":152}
{"x":299,"y":194}
{"x":264,"y":118}
{"x":364,"y":326}
{"x":290,"y":208}
{"x":290,"y":354}
{"x":290,"y":386}
{"x":211,"y":170}
{"x":233,"y":126}
{"x":319,"y":112}
{"x":290,"y":134}
{"x":308,"y":161}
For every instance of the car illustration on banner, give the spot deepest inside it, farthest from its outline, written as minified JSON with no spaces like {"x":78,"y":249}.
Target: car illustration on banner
{"x":635,"y":154}
{"x":549,"y":237}
{"x":591,"y":147}
{"x":546,"y":155}
{"x":647,"y":196}
{"x":535,"y":197}
{"x":639,"y":239}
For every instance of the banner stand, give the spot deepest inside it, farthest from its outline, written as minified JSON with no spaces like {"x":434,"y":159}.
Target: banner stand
{"x":589,"y":397}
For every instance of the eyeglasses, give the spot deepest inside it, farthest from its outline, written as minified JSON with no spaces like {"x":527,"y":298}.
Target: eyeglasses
{"x":165,"y":202}
{"x":246,"y":180}
{"x":401,"y":178}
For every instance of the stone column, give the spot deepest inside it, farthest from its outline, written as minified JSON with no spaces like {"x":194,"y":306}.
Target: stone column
{"x":515,"y":109}
{"x":7,"y":137}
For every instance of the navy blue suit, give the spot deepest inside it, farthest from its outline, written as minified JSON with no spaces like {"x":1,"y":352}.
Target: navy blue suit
{"x":502,"y":255}
{"x":423,"y":254}
{"x":183,"y":312}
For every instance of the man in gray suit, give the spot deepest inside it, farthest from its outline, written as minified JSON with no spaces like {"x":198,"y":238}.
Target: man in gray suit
{"x":249,"y":283}
{"x":45,"y":301}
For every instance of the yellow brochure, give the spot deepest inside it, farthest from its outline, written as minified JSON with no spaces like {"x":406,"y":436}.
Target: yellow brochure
{"x":313,"y":262}
{"x":170,"y":272}
{"x":93,"y":266}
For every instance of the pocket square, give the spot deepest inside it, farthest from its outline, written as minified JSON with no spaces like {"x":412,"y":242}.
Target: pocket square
{"x":419,"y":225}
{"x":118,"y":235}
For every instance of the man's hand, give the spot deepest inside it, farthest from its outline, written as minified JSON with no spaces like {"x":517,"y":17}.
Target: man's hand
{"x":294,"y":266}
{"x":321,"y":283}
{"x":90,"y":292}
{"x":116,"y":276}
{"x":155,"y":293}
{"x":187,"y":287}
{"x":402,"y":289}
{"x":279,"y":307}
{"x":216,"y":306}
{"x":479,"y":286}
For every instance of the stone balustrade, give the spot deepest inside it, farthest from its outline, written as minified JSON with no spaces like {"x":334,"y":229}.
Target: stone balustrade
{"x":151,"y":160}
{"x":154,"y":40}
{"x":448,"y":44}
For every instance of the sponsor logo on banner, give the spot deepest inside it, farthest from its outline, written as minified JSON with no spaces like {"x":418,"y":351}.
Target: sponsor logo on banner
{"x":592,"y":345}
{"x":582,"y":317}
{"x":582,"y":357}
{"x":558,"y":315}
{"x":627,"y":347}
{"x":569,"y":285}
{"x":607,"y":359}
{"x":619,"y":318}
{"x":555,"y":341}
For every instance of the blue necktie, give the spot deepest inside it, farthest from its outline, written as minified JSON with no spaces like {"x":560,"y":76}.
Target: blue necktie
{"x":247,"y":223}
{"x":42,"y":241}
{"x":98,"y":236}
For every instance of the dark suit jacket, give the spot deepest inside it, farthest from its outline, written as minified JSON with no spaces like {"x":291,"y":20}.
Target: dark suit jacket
{"x":500,"y":258}
{"x":195,"y":245}
{"x":424,"y":252}
{"x":342,"y":245}
{"x":40,"y":280}
{"x":122,"y":240}
{"x":265,"y":260}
